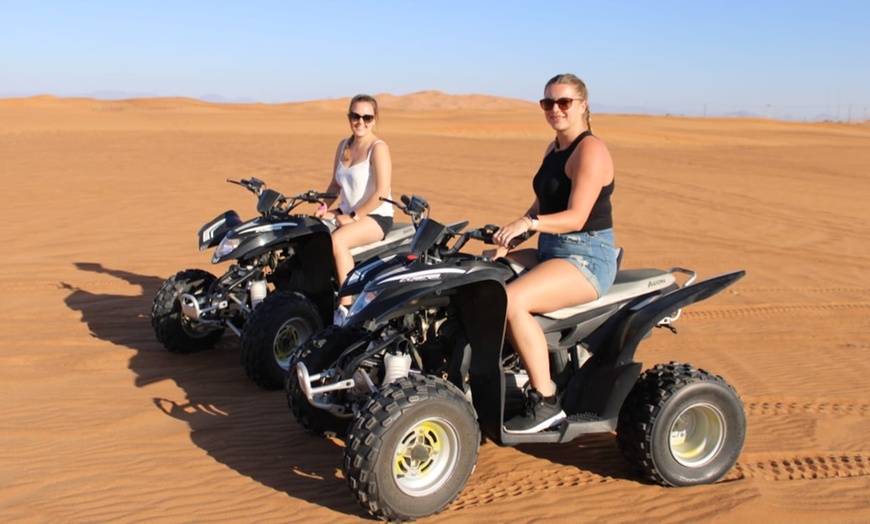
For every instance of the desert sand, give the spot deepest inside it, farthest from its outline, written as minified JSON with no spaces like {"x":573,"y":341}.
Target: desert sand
{"x":102,"y":201}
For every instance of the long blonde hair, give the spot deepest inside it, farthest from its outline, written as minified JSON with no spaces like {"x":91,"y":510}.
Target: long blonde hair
{"x":358,"y":98}
{"x":582,"y":92}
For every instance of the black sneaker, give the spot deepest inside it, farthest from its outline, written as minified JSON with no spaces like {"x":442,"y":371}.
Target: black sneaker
{"x":540,"y":414}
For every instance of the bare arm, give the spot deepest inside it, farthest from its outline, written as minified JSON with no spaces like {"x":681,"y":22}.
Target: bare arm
{"x":590,"y":168}
{"x":382,"y":165}
{"x":333,"y":186}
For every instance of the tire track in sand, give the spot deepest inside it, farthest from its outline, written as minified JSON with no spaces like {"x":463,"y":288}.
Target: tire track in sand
{"x":819,"y":465}
{"x":796,"y":406}
{"x":774,"y":310}
{"x":516,"y":483}
{"x":828,"y":465}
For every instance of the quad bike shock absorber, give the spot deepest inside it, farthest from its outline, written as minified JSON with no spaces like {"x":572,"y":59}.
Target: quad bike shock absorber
{"x":396,"y":366}
{"x":258,"y":292}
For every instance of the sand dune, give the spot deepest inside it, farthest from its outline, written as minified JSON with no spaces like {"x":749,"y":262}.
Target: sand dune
{"x":103,"y":200}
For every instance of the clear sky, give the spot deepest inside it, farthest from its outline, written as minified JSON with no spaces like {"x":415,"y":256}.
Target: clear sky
{"x":777,"y":58}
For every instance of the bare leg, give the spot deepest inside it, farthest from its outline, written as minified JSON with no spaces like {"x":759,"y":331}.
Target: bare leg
{"x":549,"y":286}
{"x":365,"y":231}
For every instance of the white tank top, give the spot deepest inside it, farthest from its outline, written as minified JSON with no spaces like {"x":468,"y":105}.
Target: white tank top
{"x":358,"y":184}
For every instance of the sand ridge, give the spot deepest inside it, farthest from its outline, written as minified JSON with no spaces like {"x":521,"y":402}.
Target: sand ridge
{"x":105,"y":199}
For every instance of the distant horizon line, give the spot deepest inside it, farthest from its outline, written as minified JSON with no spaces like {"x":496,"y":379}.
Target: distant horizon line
{"x":856,"y":113}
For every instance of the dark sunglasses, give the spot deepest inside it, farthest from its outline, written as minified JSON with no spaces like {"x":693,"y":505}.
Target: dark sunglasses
{"x":563,"y":103}
{"x":356,"y":117}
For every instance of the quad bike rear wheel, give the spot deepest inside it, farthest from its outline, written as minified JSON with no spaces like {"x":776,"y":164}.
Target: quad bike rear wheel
{"x":318,"y":354}
{"x":681,"y":426}
{"x":411,"y":450}
{"x":273,"y":332}
{"x":177,"y":332}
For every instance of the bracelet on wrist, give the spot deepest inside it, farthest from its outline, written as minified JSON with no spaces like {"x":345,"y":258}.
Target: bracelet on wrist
{"x":533,"y":221}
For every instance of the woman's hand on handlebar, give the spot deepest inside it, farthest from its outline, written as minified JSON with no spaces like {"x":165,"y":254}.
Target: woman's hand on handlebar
{"x":503,"y":236}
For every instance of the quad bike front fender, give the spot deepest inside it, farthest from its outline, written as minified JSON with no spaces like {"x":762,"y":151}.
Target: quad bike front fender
{"x":482,"y":312}
{"x":211,"y":234}
{"x":481,"y":301}
{"x":407,"y":292}
{"x":310,"y":271}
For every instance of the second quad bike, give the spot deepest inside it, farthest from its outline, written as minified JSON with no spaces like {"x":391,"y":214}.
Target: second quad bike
{"x":281,"y":267}
{"x":422,"y":368}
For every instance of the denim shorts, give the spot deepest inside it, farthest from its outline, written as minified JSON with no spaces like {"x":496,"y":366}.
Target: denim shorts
{"x":592,"y":252}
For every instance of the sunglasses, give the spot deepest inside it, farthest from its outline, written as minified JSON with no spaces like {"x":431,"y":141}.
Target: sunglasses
{"x":356,"y":117}
{"x":563,"y":103}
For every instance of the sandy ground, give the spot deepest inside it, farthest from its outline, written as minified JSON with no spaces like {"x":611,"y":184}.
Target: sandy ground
{"x":102,"y":201}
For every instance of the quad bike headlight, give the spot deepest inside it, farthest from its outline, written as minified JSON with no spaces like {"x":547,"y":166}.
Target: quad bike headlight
{"x":227,"y":246}
{"x":363,"y":300}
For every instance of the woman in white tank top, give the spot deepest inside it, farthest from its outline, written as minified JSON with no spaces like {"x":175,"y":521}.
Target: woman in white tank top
{"x":362,"y":174}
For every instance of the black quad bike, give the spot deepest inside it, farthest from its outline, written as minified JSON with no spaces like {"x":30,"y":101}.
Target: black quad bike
{"x":422,"y":366}
{"x":279,"y":289}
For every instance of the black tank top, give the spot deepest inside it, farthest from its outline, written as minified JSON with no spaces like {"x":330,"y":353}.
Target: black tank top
{"x":553,"y":189}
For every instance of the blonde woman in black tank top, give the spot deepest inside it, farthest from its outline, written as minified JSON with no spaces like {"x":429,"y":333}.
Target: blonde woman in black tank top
{"x":576,"y":258}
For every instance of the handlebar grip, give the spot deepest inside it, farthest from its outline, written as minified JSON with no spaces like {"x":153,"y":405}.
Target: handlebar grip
{"x":520,"y":239}
{"x":327,"y":195}
{"x":485,"y":234}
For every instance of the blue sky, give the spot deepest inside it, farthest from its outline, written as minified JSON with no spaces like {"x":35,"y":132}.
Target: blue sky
{"x":774,"y":58}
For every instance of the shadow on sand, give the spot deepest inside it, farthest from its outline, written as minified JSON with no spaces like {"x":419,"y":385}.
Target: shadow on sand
{"x":251,"y":430}
{"x":238,"y":424}
{"x":594,"y":453}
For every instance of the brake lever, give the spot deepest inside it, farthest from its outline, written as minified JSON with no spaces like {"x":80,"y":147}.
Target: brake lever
{"x":399,"y":205}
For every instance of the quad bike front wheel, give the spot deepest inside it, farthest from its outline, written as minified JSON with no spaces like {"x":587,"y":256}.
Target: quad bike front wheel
{"x":681,"y":426}
{"x":274,"y":330}
{"x":318,"y":354}
{"x":411,"y":450}
{"x":177,"y":332}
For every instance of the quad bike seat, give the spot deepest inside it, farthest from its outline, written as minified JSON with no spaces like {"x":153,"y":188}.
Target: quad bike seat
{"x":629,"y":283}
{"x":398,"y":232}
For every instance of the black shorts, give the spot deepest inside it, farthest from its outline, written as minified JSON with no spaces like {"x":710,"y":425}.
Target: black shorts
{"x":386,"y":223}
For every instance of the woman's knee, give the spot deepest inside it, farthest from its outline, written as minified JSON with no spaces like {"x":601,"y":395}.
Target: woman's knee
{"x":516,"y":304}
{"x":339,"y":243}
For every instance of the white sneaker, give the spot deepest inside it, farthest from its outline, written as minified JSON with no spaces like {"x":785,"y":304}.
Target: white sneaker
{"x":340,"y":316}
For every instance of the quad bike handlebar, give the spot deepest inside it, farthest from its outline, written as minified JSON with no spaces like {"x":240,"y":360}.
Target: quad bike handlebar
{"x":273,"y":202}
{"x":436,"y":242}
{"x":254,"y":185}
{"x":485,"y":234}
{"x":414,"y":206}
{"x":314,"y":197}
